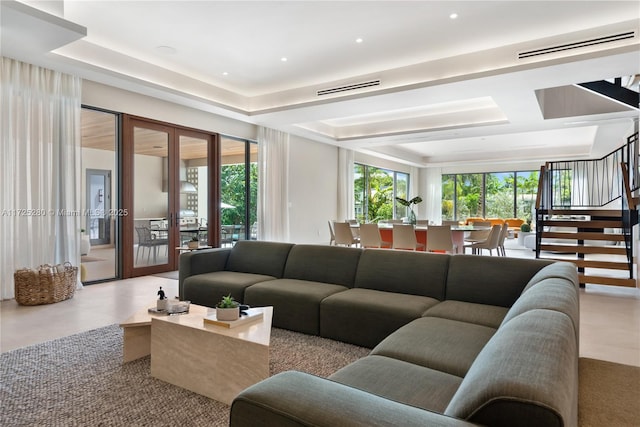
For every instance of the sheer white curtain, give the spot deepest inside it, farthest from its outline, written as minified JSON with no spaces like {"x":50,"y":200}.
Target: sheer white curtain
{"x":345,"y":185}
{"x":39,"y":163}
{"x":433,"y":193}
{"x":273,"y":185}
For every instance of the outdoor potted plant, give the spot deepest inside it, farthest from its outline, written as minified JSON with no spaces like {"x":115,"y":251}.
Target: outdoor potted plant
{"x":227,"y":309}
{"x":525,"y":229}
{"x":409,"y":204}
{"x":194,"y":243}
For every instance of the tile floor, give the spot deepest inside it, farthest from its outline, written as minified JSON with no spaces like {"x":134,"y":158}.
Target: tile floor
{"x":609,"y":321}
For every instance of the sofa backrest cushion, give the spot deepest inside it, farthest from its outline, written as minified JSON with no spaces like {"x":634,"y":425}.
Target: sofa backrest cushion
{"x":562,"y":269}
{"x":258,"y":257}
{"x":554,"y":293}
{"x":526,"y":375}
{"x":490,"y":280}
{"x":407,"y":272}
{"x":321,"y":263}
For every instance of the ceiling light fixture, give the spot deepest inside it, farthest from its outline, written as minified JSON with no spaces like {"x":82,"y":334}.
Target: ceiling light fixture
{"x":453,"y":15}
{"x":283,"y":59}
{"x":359,"y":40}
{"x":224,"y":73}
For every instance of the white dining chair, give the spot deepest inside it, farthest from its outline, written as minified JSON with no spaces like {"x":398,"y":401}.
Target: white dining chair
{"x":404,"y":237}
{"x":440,"y":238}
{"x":490,"y":244}
{"x":344,"y":235}
{"x":332,"y":235}
{"x":370,"y":237}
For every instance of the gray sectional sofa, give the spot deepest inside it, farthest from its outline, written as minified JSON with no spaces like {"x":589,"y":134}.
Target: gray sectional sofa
{"x":456,"y":339}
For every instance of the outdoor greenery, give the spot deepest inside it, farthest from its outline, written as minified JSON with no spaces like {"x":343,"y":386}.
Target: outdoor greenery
{"x":232,"y":192}
{"x":374,"y":193}
{"x":489,"y":195}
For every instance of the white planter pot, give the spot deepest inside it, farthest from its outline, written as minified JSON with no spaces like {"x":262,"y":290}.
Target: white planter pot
{"x":85,"y":245}
{"x":228,"y":314}
{"x":521,"y":236}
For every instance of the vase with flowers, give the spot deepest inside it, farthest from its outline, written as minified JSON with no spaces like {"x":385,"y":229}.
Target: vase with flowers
{"x":409,"y":204}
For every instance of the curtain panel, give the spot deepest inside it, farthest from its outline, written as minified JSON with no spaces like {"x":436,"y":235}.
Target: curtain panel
{"x":345,"y":185}
{"x":273,"y":185}
{"x":40,"y":161}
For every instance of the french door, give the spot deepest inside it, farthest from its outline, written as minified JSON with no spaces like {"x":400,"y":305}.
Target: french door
{"x":170,"y":189}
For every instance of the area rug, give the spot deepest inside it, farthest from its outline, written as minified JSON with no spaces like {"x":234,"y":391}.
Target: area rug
{"x":609,"y":394}
{"x":80,"y":381}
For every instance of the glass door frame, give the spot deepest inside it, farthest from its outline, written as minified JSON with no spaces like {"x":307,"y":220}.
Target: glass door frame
{"x":129,"y":122}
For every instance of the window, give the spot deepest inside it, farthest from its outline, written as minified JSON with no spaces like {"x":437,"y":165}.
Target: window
{"x":489,"y":195}
{"x":238,"y":190}
{"x":375,"y":190}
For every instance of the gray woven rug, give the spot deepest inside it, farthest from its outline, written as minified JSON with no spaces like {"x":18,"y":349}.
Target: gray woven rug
{"x":80,"y":381}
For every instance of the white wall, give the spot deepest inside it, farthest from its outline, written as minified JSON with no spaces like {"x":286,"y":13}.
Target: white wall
{"x":313,"y":184}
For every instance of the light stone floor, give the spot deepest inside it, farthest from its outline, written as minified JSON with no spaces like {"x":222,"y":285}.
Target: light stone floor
{"x":609,"y":316}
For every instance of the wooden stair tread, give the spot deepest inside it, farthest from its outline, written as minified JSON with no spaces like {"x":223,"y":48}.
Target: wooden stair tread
{"x":605,"y":280}
{"x":582,"y":235}
{"x":590,"y":212}
{"x":587,"y":263}
{"x":598,"y":223}
{"x":613,"y":250}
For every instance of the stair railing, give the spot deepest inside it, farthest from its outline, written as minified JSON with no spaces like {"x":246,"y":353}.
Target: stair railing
{"x":593,"y":183}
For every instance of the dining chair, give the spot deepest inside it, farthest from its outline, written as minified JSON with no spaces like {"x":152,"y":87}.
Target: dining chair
{"x":370,"y":237}
{"x":503,"y":236}
{"x":404,"y":237}
{"x":422,"y":222}
{"x":332,"y":235}
{"x":344,"y":235}
{"x":490,"y":243}
{"x":148,"y":240}
{"x":450,"y":222}
{"x":439,"y":238}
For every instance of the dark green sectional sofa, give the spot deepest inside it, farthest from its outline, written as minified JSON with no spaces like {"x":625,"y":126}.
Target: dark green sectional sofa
{"x":456,"y":339}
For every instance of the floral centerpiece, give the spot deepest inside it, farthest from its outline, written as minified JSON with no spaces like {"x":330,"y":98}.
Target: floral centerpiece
{"x":409,"y":204}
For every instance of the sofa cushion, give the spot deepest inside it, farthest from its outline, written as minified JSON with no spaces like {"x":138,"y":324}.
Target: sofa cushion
{"x":479,"y":314}
{"x":561,"y":270}
{"x":208,"y":288}
{"x":416,"y":273}
{"x":400,"y":381}
{"x":527,"y":375}
{"x":441,"y":344}
{"x":552,"y":294}
{"x":489,"y":280}
{"x":365,"y":317}
{"x":258,"y":257}
{"x":296,"y":303}
{"x":319,"y":263}
{"x":298,"y":399}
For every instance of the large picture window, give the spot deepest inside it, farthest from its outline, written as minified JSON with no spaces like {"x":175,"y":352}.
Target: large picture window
{"x":375,"y":190}
{"x":489,"y":195}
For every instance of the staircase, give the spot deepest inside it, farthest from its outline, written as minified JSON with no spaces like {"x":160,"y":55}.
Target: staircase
{"x":586,"y":213}
{"x":593,"y":239}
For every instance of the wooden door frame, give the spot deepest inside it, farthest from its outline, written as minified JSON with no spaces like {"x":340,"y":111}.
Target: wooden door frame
{"x":127,"y":193}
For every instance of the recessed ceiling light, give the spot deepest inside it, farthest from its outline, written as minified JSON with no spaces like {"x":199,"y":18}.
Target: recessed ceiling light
{"x":453,"y":15}
{"x":283,"y":59}
{"x":225,"y":73}
{"x":359,"y":40}
{"x":168,"y":50}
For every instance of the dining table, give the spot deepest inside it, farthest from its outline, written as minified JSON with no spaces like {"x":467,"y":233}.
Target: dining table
{"x":458,"y":233}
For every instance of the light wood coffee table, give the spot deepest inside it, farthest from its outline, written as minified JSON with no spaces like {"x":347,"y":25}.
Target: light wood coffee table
{"x":207,"y":359}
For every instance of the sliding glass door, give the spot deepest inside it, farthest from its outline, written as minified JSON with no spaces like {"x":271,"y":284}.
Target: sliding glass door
{"x":168,"y":193}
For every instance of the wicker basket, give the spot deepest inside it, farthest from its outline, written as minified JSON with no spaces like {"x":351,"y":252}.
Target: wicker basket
{"x":45,"y":285}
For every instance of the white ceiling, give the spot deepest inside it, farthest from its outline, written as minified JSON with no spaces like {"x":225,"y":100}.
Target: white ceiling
{"x":451,"y":91}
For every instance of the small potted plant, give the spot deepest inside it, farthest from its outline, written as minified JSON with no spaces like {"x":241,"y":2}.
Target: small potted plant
{"x":227,"y":309}
{"x":194,"y":243}
{"x":409,"y":204}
